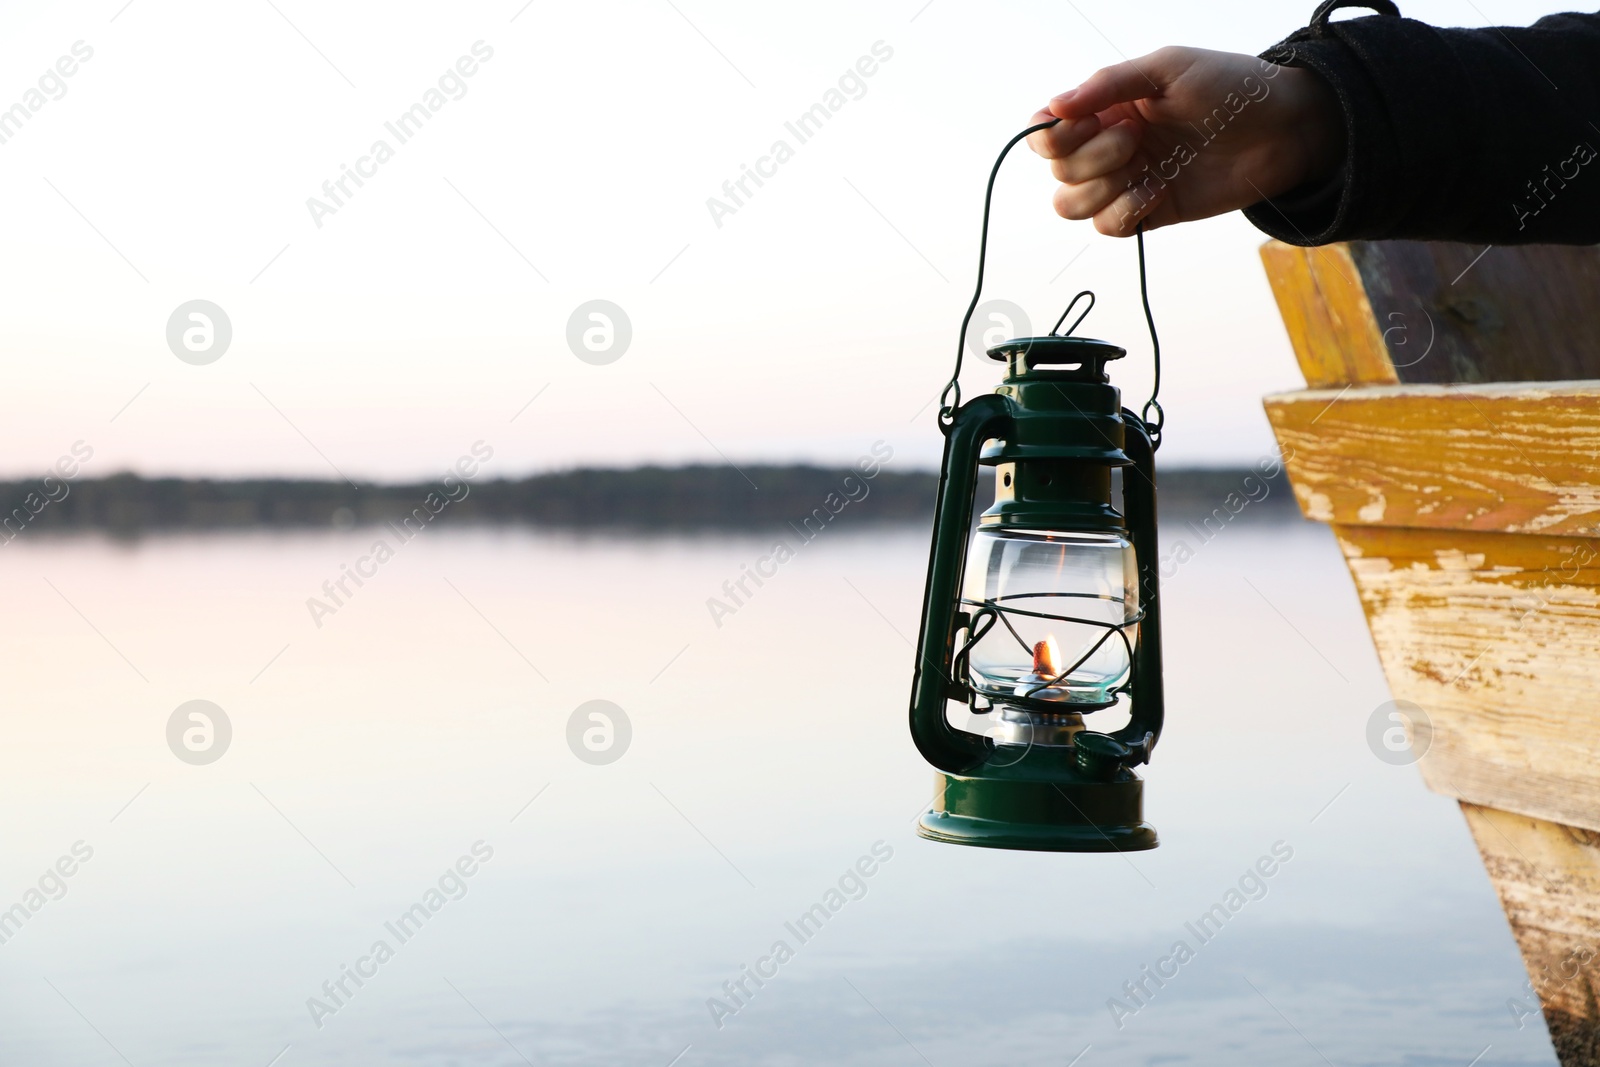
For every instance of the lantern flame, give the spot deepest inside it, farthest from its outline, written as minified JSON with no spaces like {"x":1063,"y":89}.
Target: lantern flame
{"x":1045,"y":657}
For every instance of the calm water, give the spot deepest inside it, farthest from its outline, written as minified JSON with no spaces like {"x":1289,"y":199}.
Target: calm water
{"x":768,"y":755}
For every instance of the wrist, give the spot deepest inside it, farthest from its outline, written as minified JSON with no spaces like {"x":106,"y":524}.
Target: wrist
{"x":1313,"y":124}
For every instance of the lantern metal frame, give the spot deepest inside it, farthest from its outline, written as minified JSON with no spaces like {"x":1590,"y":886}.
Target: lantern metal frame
{"x":1057,"y":425}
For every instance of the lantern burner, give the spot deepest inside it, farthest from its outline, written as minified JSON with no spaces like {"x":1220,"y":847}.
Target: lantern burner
{"x":1017,"y":726}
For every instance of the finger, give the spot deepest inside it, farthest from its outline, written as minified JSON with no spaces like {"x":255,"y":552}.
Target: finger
{"x":1165,"y":213}
{"x":1133,"y":205}
{"x":1117,"y":201}
{"x":1107,"y":151}
{"x":1063,"y":138}
{"x":1134,"y":80}
{"x":1037,"y":141}
{"x":1087,"y":199}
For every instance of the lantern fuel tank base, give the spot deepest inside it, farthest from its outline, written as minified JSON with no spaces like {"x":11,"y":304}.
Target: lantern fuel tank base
{"x":1039,"y":816}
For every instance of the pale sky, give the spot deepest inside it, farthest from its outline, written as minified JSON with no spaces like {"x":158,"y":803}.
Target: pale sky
{"x":574,"y":164}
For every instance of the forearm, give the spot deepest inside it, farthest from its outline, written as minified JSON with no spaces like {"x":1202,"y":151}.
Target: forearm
{"x":1488,"y":136}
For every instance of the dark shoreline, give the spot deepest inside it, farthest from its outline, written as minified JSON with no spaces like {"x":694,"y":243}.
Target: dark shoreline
{"x":678,"y":498}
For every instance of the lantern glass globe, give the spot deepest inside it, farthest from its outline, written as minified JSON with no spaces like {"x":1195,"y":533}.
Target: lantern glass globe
{"x":1061,"y":595}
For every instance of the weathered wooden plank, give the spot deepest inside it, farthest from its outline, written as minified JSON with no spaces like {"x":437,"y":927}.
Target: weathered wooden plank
{"x":1518,"y":458}
{"x":1463,"y":313}
{"x":1548,"y":880}
{"x":1494,"y":636}
{"x":1330,"y":321}
{"x":1382,"y":312}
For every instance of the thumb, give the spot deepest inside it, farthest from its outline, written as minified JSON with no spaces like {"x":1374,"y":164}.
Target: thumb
{"x":1135,"y":79}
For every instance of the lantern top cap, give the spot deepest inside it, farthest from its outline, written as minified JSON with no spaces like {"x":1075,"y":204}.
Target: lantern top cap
{"x":1081,"y":358}
{"x":1057,"y":349}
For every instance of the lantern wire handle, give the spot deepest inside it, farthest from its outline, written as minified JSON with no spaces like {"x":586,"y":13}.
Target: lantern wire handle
{"x":950,"y":397}
{"x":1152,"y":427}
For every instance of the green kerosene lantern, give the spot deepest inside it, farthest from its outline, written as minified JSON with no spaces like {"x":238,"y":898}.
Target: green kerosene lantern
{"x":1049,"y":610}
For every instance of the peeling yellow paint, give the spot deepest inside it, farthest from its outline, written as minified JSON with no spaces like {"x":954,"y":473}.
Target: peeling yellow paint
{"x":1480,"y":457}
{"x":1457,"y":560}
{"x":1496,"y":636}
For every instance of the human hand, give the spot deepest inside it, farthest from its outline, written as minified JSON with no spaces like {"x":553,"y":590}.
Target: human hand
{"x":1184,"y":134}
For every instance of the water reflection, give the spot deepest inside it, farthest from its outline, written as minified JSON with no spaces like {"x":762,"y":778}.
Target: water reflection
{"x":425,"y":726}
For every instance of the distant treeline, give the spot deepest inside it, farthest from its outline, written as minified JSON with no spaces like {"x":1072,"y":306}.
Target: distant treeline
{"x":660,"y":497}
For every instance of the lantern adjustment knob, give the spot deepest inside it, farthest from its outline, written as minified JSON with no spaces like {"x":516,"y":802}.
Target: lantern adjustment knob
{"x":1100,"y":756}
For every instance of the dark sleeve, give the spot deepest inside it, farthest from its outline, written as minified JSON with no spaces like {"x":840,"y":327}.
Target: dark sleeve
{"x":1486,"y":136}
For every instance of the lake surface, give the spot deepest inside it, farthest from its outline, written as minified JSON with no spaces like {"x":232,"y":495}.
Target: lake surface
{"x":421,"y":731}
